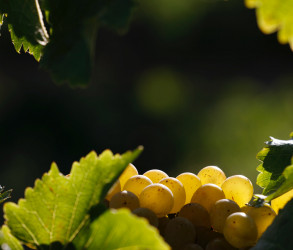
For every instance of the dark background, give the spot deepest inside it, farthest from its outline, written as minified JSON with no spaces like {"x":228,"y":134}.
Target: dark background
{"x":195,"y":82}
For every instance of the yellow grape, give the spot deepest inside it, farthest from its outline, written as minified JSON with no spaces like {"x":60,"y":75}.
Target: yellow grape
{"x":207,"y":195}
{"x":262,"y":216}
{"x":136,"y":184}
{"x":212,"y":174}
{"x":129,"y":171}
{"x":157,"y":198}
{"x":155,"y":175}
{"x":179,"y":232}
{"x":191,"y":183}
{"x":116,"y":187}
{"x":124,"y":199}
{"x":220,"y":211}
{"x":196,"y":213}
{"x":240,"y":230}
{"x":238,"y":188}
{"x":148,"y":214}
{"x":279,"y":202}
{"x":178,"y":192}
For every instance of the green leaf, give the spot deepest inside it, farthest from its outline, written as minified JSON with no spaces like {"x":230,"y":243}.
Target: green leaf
{"x":274,"y":16}
{"x":278,"y":236}
{"x":5,"y":195}
{"x":69,"y":56}
{"x":286,"y":186}
{"x":58,"y":207}
{"x":25,"y":23}
{"x":7,"y":240}
{"x":275,"y":157}
{"x":119,"y":229}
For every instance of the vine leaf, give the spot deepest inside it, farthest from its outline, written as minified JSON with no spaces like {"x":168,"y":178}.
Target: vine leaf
{"x":7,"y":240}
{"x":59,"y":206}
{"x":69,"y":56}
{"x":275,"y":157}
{"x":274,"y":16}
{"x":119,"y":229}
{"x":25,"y":23}
{"x":286,"y":186}
{"x":278,"y":235}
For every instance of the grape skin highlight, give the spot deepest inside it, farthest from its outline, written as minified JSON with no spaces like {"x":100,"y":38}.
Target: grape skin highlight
{"x":238,"y":188}
{"x":155,"y":175}
{"x":279,"y":202}
{"x":129,"y":171}
{"x":207,"y":195}
{"x":178,"y":192}
{"x":212,"y":174}
{"x":191,"y":183}
{"x":157,"y":198}
{"x":136,"y":184}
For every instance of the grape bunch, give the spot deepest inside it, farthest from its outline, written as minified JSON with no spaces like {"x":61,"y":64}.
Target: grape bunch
{"x":203,"y":211}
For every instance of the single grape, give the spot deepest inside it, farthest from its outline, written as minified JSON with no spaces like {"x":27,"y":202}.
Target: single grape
{"x":240,"y":230}
{"x":212,"y":174}
{"x":129,"y":171}
{"x":238,"y":188}
{"x":179,"y":232}
{"x":207,"y":195}
{"x":196,"y":213}
{"x":136,"y":184}
{"x":148,"y":214}
{"x":116,"y":188}
{"x":155,"y":175}
{"x":124,"y":199}
{"x":279,"y":202}
{"x":219,"y":244}
{"x":157,"y":198}
{"x":191,"y":183}
{"x":220,"y":211}
{"x":262,"y":216}
{"x":178,"y":192}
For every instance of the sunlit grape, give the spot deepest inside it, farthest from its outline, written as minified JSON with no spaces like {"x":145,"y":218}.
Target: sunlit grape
{"x":148,"y":214}
{"x":178,"y":192}
{"x":207,"y":195}
{"x":238,"y":188}
{"x":136,"y":184}
{"x":279,"y":202}
{"x":212,"y":174}
{"x":179,"y":232}
{"x":129,"y":171}
{"x":220,"y":211}
{"x":113,"y":190}
{"x":191,"y":183}
{"x":196,"y":213}
{"x":155,"y":175}
{"x":240,"y":230}
{"x":263,"y":216}
{"x":157,"y":198}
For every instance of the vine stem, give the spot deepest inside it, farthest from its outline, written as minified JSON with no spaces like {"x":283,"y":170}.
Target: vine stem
{"x":45,"y":34}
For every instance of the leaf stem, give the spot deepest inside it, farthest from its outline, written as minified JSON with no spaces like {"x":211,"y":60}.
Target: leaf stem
{"x":40,"y":15}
